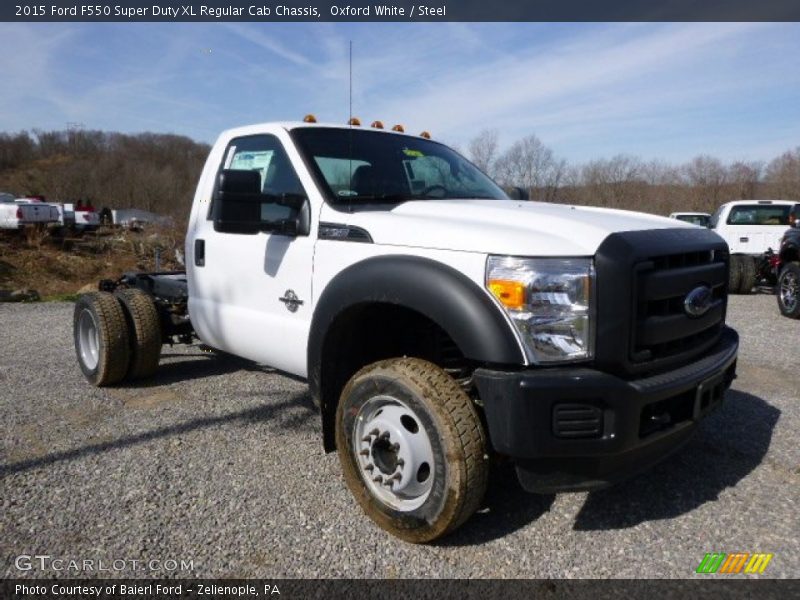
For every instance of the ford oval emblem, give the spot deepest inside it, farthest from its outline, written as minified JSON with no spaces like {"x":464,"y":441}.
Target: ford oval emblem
{"x":698,"y":301}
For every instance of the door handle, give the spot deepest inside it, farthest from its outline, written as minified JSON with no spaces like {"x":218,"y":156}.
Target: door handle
{"x":200,"y":253}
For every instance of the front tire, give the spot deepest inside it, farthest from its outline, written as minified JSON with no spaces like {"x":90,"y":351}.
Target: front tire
{"x":102,"y":342}
{"x":412,"y":448}
{"x":789,"y":291}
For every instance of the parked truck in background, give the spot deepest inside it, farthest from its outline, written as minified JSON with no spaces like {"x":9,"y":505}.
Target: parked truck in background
{"x":700,"y":219}
{"x":438,"y":322}
{"x":788,"y":271}
{"x":16,"y":213}
{"x":752,"y":229}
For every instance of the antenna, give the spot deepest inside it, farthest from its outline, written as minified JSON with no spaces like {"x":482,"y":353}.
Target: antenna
{"x":350,"y":118}
{"x":350,"y":134}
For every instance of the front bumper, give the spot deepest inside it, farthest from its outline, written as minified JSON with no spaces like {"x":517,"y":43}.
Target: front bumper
{"x":622,"y":426}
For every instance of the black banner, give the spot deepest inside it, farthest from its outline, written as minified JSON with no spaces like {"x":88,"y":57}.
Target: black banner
{"x":399,"y":10}
{"x":401,"y":589}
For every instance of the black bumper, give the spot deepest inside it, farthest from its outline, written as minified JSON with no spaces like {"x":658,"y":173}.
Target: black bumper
{"x":570,"y":429}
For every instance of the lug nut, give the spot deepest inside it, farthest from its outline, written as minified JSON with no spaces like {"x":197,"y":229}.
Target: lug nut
{"x":377,"y":479}
{"x":384,"y":436}
{"x":364,"y":452}
{"x":395,"y":447}
{"x":374,"y":432}
{"x":401,"y":462}
{"x":369,"y":467}
{"x":366,"y":438}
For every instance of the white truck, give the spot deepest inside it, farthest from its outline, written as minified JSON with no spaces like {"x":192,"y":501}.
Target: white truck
{"x":753,"y":230}
{"x":438,"y":322}
{"x":16,"y":213}
{"x":700,"y":219}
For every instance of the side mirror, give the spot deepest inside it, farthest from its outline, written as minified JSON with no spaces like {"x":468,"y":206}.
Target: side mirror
{"x":239,"y":206}
{"x":237,"y":202}
{"x":518,"y":193}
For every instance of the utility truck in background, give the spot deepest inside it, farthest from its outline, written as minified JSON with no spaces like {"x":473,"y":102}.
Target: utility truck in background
{"x":700,"y":219}
{"x":438,"y":322}
{"x":753,"y":230}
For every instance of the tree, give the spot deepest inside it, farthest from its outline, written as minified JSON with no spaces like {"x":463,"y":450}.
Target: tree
{"x":483,"y":150}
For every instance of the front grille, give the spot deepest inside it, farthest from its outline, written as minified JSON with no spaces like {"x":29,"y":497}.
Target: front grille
{"x":662,"y":329}
{"x":643,"y":279}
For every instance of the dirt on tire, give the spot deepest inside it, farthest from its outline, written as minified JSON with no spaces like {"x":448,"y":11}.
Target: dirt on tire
{"x":462,"y":436}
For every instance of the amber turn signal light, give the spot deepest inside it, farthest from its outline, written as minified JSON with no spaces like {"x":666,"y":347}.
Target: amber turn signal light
{"x":510,"y":293}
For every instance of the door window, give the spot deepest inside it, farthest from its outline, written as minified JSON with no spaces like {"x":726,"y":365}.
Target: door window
{"x":265,"y":154}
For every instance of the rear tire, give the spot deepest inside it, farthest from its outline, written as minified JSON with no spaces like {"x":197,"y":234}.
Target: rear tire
{"x":749,"y":275}
{"x":412,"y":448}
{"x":789,"y":291}
{"x":734,"y":275}
{"x":102,"y":341}
{"x":141,"y":316}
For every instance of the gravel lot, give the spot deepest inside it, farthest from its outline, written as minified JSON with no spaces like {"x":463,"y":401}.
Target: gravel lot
{"x":219,"y":462}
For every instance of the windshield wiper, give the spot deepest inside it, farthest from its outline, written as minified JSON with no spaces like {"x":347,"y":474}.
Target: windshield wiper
{"x":377,"y":198}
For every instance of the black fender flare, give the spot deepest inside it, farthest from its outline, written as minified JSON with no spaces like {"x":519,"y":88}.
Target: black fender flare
{"x":437,"y":291}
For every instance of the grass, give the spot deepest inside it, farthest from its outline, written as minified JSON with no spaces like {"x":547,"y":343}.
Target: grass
{"x":61,"y":298}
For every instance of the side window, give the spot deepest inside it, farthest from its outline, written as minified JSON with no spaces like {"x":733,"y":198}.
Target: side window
{"x":265,"y":154}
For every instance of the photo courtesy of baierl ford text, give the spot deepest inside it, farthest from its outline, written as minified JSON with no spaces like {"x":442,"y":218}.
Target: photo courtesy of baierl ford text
{"x":403,"y":300}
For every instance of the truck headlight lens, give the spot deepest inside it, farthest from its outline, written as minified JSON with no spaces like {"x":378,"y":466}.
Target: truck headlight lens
{"x":551,"y":302}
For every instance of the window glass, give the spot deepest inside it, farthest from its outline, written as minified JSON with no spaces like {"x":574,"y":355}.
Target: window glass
{"x":759,"y":214}
{"x":265,"y":154}
{"x":371,"y":166}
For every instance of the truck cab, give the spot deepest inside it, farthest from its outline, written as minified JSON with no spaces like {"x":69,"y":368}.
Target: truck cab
{"x":438,"y":322}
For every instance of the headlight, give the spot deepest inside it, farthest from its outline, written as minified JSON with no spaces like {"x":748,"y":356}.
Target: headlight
{"x":551,"y":302}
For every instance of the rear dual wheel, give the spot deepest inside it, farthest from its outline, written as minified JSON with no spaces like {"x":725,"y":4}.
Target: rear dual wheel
{"x":117,"y":336}
{"x":412,"y":448}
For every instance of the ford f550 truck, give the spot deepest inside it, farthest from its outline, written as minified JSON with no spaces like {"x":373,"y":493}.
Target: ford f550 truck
{"x":437,"y":321}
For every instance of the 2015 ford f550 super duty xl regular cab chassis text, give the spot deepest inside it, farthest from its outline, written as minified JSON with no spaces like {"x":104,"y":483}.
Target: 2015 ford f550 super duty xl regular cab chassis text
{"x":437,"y":321}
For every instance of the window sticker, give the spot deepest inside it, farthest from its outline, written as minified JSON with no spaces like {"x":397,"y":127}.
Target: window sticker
{"x":411,"y":152}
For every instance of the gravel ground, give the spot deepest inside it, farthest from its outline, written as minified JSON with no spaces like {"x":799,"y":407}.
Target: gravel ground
{"x":219,"y":462}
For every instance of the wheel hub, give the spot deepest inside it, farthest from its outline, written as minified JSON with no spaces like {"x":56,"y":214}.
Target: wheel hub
{"x":394,"y":453}
{"x":88,"y":340}
{"x":789,"y":291}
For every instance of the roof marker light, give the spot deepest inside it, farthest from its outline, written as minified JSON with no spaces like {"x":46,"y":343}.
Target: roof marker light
{"x":398,"y":128}
{"x":309,"y":119}
{"x":354,"y":121}
{"x":377,"y":125}
{"x":425,"y":135}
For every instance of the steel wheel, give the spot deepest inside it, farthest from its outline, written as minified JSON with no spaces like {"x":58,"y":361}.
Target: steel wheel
{"x":88,"y":339}
{"x":395,"y":456}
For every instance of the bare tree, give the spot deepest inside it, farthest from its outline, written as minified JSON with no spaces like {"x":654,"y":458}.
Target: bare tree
{"x":483,"y":150}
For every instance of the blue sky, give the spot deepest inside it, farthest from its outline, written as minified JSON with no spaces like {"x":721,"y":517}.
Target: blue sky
{"x":658,"y":91}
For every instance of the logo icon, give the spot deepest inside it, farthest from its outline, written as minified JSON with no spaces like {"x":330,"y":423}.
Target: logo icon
{"x":698,"y":301}
{"x":719,"y":562}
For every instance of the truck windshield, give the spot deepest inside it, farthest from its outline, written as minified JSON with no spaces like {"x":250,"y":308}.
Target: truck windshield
{"x":357,"y":165}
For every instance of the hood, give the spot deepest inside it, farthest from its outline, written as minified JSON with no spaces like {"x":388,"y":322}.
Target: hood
{"x":500,"y":226}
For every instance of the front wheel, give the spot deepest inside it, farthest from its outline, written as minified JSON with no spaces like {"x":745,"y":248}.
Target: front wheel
{"x":789,"y":291}
{"x":412,"y":448}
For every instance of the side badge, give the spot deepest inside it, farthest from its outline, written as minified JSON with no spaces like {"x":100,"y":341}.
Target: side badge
{"x":291,"y":300}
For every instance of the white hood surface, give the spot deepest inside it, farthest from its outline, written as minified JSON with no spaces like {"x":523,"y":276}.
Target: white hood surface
{"x":509,"y":227}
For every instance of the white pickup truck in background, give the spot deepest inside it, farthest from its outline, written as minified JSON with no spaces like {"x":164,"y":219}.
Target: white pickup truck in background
{"x":752,"y":228}
{"x":18,"y":212}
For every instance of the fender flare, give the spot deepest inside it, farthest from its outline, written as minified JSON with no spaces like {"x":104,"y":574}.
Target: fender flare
{"x":437,"y":291}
